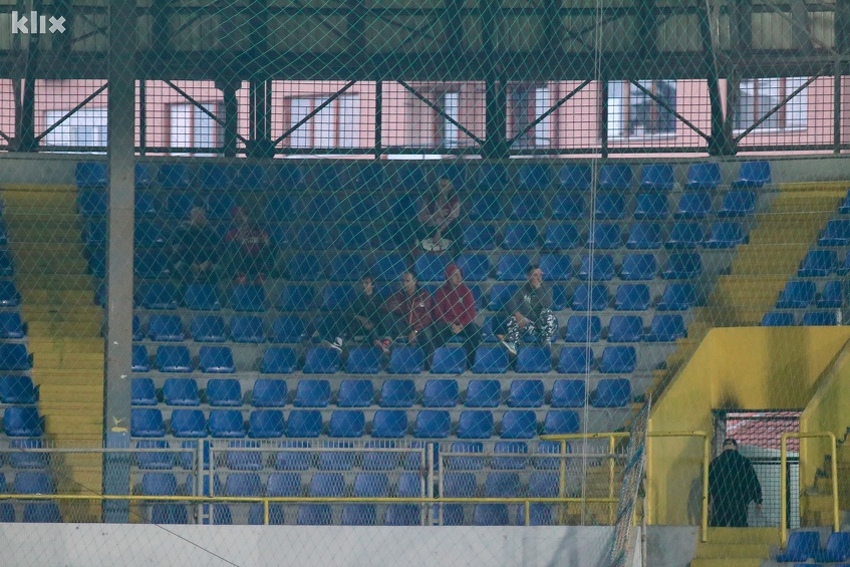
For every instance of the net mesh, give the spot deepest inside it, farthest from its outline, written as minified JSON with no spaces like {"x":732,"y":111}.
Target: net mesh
{"x":378,"y":250}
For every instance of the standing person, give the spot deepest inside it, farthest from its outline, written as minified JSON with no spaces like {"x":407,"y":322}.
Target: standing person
{"x":250,"y":249}
{"x":732,"y":485}
{"x":195,"y":248}
{"x":438,"y":213}
{"x":529,"y":311}
{"x":454,"y":313}
{"x":364,"y":318}
{"x":409,"y":310}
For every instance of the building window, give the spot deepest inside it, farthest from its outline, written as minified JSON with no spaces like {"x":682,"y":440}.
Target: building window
{"x":527,"y":104}
{"x":335,"y":126}
{"x":190,"y":127}
{"x":448,"y":135}
{"x":633,"y":113}
{"x":757,"y":97}
{"x":85,"y":127}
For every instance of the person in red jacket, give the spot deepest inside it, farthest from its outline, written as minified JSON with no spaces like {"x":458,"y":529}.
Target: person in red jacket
{"x":454,"y":313}
{"x":409,"y":312}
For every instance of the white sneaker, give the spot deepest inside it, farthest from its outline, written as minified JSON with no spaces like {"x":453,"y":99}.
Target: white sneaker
{"x":336,"y":344}
{"x":511,"y":347}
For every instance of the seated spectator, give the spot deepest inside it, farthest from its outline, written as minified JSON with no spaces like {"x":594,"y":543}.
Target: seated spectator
{"x":251,"y":253}
{"x":454,"y":313}
{"x":364,"y":319}
{"x":409,"y":312}
{"x":438,"y":213}
{"x":529,"y":312}
{"x":195,"y":248}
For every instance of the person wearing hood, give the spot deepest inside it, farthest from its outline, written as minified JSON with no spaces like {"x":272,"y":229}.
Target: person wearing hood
{"x":529,"y":312}
{"x":732,"y":485}
{"x":454,"y":313}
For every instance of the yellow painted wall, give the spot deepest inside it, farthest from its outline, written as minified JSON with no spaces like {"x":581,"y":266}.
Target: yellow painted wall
{"x":746,"y":368}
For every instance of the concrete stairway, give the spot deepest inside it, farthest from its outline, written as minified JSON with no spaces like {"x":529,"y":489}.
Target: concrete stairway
{"x":736,"y":547}
{"x":64,"y":329}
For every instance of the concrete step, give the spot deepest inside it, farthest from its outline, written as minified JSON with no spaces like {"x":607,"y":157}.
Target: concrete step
{"x":727,"y":562}
{"x":767,"y":536}
{"x":712,"y":550}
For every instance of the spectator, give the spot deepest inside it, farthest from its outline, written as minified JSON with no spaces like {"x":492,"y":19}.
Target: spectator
{"x":251,"y":254}
{"x":732,"y":485}
{"x":364,"y":319}
{"x":529,"y":313}
{"x":438,"y":211}
{"x":454,"y":313}
{"x":409,"y":312}
{"x":195,"y":248}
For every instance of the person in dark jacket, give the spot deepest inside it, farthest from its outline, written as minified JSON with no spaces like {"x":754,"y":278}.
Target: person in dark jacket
{"x":454,"y":313}
{"x":409,"y":312}
{"x":364,"y":318}
{"x":529,"y":312}
{"x":196,"y":248}
{"x":732,"y":485}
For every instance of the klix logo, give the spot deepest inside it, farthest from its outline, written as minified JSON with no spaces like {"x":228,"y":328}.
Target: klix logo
{"x":35,"y":23}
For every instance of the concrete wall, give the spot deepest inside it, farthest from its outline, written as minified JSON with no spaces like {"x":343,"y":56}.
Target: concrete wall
{"x":94,"y":545}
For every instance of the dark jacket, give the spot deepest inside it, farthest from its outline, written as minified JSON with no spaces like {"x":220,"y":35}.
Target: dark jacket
{"x":732,"y":485}
{"x":414,"y":309}
{"x":368,"y":306}
{"x":530,"y":302}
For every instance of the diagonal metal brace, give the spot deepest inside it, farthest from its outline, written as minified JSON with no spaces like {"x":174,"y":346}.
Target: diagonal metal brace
{"x":776,"y":108}
{"x":202,"y":108}
{"x":663,"y":104}
{"x":71,"y":112}
{"x":562,"y":101}
{"x":442,"y":113}
{"x":313,"y":113}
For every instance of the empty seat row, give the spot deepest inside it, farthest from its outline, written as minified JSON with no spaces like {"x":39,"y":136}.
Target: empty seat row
{"x":809,"y":319}
{"x":430,"y":424}
{"x":799,"y":294}
{"x":821,"y":263}
{"x":439,"y":393}
{"x":804,"y":546}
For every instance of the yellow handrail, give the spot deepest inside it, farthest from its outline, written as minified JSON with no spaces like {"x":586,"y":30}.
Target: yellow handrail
{"x":783,"y":481}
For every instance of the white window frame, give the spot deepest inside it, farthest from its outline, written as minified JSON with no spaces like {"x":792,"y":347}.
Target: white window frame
{"x":791,"y":117}
{"x":335,"y":126}
{"x":622,"y":108}
{"x":86,"y":127}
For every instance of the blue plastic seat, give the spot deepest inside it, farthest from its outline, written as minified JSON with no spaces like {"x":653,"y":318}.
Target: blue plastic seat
{"x":7,"y":511}
{"x":139,"y":359}
{"x":777,"y":319}
{"x":844,"y":207}
{"x":638,"y":267}
{"x":526,"y":207}
{"x":568,"y":394}
{"x":513,"y":448}
{"x":226,"y":423}
{"x":676,"y":297}
{"x":178,"y":204}
{"x":682,"y":266}
{"x":389,"y":267}
{"x":247,"y":329}
{"x":356,"y":237}
{"x":201,"y":297}
{"x":217,"y":360}
{"x":685,"y":235}
{"x":312,"y":394}
{"x":797,"y":295}
{"x":610,"y":206}
{"x":188,"y":423}
{"x":36,"y":482}
{"x":517,"y":236}
{"x":296,"y":298}
{"x":512,"y":267}
{"x":561,"y":236}
{"x":166,"y":328}
{"x":465,"y":462}
{"x":485,"y":208}
{"x":345,"y":267}
{"x":9,"y":295}
{"x":738,"y":203}
{"x":535,"y":176}
{"x":605,"y":236}
{"x":158,"y":295}
{"x":314,"y":237}
{"x":526,"y":394}
{"x":819,"y":319}
{"x":802,"y":546}
{"x":174,"y":176}
{"x":479,"y":236}
{"x":596,"y":267}
{"x":355,"y":394}
{"x":475,"y":267}
{"x":625,"y":329}
{"x":483,"y":394}
{"x":287,"y":329}
{"x":430,"y":268}
{"x":23,"y":421}
{"x":11,"y":326}
{"x":644,"y":236}
{"x":389,"y":424}
{"x":347,"y":423}
{"x":154,"y":460}
{"x":152,"y":263}
{"x":618,"y":360}
{"x":304,"y":423}
{"x":169,"y":513}
{"x":475,"y":424}
{"x":556,"y":267}
{"x":21,"y":390}
{"x":753,"y":174}
{"x":181,"y":392}
{"x":406,"y":360}
{"x":491,"y":515}
{"x":91,"y":175}
{"x":490,"y":360}
{"x":248,"y":298}
{"x":651,"y":206}
{"x":150,"y":234}
{"x":398,"y":393}
{"x":568,"y":206}
{"x":24,"y":457}
{"x":590,"y":297}
{"x":842,"y":270}
{"x":837,"y":548}
{"x":725,"y":235}
{"x":632,"y":297}
{"x":615,"y":177}
{"x":94,"y":233}
{"x":7,"y":267}
{"x":500,"y":295}
{"x":321,"y":360}
{"x":323,"y":207}
{"x":575,"y":177}
{"x":818,"y":263}
{"x":146,"y":422}
{"x":269,"y":393}
{"x":225,"y":392}
{"x":836,"y":233}
{"x":832,"y":296}
{"x":666,"y":328}
{"x":694,"y":206}
{"x":703,"y":175}
{"x":657,"y":177}
{"x":533,"y":360}
{"x":173,"y":358}
{"x":393,"y":236}
{"x":265,"y":424}
{"x":278,"y":360}
{"x":14,"y":356}
{"x":612,"y":393}
{"x":213,"y":176}
{"x":363,"y":360}
{"x":432,"y":424}
{"x":440,"y":394}
{"x":548,"y":463}
{"x":93,"y":202}
{"x":583,"y":329}
{"x":245,"y":485}
{"x":558,"y":422}
{"x":448,"y":360}
{"x":575,"y":360}
{"x":491,"y":176}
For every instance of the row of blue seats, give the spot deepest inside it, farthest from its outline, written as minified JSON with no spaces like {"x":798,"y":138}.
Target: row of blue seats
{"x":363,"y":207}
{"x":386,"y":424}
{"x":18,"y":390}
{"x":440,"y":393}
{"x":822,"y":263}
{"x":804,"y":546}
{"x":809,"y":319}
{"x":414,"y":175}
{"x":33,"y":512}
{"x":801,"y":294}
{"x":403,"y":360}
